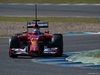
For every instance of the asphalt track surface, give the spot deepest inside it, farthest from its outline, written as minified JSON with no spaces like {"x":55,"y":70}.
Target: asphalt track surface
{"x":50,"y":10}
{"x":24,"y":65}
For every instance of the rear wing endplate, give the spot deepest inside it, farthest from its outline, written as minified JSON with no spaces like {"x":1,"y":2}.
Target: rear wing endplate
{"x":40,"y":24}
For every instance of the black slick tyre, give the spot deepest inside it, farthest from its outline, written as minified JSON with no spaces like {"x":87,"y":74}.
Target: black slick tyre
{"x":57,"y":41}
{"x":13,"y":43}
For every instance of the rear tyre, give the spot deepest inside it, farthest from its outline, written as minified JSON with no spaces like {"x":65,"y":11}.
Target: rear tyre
{"x":57,"y":41}
{"x":17,"y":34}
{"x":13,"y":43}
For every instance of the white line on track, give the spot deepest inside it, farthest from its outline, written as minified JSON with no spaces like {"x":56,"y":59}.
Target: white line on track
{"x":49,"y":4}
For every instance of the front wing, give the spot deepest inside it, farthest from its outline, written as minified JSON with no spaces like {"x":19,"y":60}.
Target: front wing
{"x":25,"y":51}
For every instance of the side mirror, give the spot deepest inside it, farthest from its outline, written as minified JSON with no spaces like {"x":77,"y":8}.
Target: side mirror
{"x":47,"y":31}
{"x":24,"y":32}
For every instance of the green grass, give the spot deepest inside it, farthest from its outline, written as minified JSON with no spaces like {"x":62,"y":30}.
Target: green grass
{"x":97,"y":55}
{"x":5,"y":35}
{"x":50,"y":19}
{"x":50,"y":1}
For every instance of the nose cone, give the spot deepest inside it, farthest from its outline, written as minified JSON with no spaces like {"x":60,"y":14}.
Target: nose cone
{"x":34,"y":48}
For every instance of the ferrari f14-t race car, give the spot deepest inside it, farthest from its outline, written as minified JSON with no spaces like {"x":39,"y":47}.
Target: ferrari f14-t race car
{"x":35,"y":43}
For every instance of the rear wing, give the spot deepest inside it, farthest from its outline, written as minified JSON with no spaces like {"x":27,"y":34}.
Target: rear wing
{"x":40,"y":24}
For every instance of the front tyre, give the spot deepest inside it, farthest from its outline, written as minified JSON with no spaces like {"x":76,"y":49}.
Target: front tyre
{"x":57,"y":41}
{"x":13,"y":43}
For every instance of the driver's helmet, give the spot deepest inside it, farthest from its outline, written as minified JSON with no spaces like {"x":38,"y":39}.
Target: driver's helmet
{"x":36,"y":31}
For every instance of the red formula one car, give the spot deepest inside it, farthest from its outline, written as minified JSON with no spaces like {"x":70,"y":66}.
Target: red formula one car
{"x":36,"y":43}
